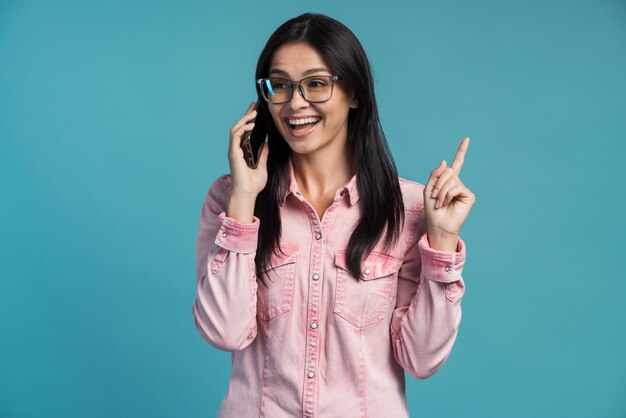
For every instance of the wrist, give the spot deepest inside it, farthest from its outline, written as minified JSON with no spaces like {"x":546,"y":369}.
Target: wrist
{"x":241,"y":207}
{"x":443,"y":242}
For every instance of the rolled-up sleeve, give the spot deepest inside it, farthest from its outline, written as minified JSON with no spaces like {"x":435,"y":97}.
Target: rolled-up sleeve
{"x":426,"y":319}
{"x":237,"y":236}
{"x":224,"y":308}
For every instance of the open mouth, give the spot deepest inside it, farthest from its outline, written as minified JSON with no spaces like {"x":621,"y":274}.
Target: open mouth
{"x":302,"y":126}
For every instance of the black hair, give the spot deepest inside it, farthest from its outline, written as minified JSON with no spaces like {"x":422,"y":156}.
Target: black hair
{"x":377,"y":177}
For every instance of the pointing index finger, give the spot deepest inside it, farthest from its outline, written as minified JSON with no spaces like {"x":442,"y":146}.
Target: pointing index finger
{"x":459,"y":158}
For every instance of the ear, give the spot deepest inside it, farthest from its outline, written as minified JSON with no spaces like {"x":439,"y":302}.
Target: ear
{"x":355,"y":102}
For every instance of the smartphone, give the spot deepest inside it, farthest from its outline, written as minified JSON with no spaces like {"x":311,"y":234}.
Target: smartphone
{"x":252,"y":141}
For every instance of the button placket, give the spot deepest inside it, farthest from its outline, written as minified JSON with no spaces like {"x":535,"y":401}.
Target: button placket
{"x":312,"y":337}
{"x":319,"y":229}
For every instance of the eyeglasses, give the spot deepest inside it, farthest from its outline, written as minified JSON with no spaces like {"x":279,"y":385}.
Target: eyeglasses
{"x":314,"y":89}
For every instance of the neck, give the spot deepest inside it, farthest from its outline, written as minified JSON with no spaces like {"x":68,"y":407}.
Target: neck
{"x":319,"y":175}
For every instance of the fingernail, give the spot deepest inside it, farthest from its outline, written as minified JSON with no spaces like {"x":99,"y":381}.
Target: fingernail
{"x":434,"y":193}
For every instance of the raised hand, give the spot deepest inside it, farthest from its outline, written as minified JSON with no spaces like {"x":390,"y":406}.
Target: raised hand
{"x":246,"y":183}
{"x":447,"y":201}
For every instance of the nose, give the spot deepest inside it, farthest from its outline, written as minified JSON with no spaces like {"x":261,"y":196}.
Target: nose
{"x":297,"y":99}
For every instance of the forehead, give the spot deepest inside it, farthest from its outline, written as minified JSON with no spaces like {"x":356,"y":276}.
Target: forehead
{"x":296,"y":59}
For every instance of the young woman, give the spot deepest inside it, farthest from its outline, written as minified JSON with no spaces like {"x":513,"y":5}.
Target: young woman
{"x":322,"y":272}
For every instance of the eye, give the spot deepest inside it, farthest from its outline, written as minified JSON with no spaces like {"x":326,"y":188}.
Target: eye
{"x":316,"y":83}
{"x":278,"y":84}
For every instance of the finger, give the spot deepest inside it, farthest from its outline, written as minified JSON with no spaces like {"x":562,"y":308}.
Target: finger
{"x":242,"y":130}
{"x":246,"y":118}
{"x":434,"y":176}
{"x":459,"y":191}
{"x":445,"y":176}
{"x":443,"y":192}
{"x":459,"y":158}
{"x":453,"y":192}
{"x":461,"y":194}
{"x":237,"y":135}
{"x":465,"y":196}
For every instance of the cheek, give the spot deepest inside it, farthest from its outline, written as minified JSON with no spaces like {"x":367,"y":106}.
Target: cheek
{"x":336,"y":118}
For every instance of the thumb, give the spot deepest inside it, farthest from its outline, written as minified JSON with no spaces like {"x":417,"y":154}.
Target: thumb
{"x":434,"y":176}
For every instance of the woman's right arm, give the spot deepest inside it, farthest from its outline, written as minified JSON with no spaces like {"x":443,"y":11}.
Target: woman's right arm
{"x":225,"y":305}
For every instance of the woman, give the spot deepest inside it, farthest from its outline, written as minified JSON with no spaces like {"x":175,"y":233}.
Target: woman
{"x":322,"y":272}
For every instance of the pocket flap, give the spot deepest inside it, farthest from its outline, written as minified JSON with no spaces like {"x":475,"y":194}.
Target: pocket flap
{"x":287,"y":256}
{"x":376,"y":265}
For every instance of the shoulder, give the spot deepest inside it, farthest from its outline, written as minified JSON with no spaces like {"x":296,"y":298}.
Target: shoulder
{"x":412,"y":195}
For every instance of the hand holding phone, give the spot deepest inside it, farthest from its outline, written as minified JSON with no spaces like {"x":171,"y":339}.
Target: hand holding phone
{"x":246,"y":182}
{"x":253,"y":140}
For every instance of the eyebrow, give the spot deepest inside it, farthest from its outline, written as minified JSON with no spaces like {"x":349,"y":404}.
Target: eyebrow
{"x":306,"y":73}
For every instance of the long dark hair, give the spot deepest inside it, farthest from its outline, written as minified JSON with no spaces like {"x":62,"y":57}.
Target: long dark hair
{"x":377,"y":177}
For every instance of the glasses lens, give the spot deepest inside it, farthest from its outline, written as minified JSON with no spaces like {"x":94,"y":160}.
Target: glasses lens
{"x":317,"y":89}
{"x":276,"y":90}
{"x":280,"y":90}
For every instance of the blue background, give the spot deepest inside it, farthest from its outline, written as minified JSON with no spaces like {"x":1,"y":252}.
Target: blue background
{"x":114,"y":121}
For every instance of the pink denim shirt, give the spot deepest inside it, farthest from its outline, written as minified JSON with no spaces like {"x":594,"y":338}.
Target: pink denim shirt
{"x":316,"y":342}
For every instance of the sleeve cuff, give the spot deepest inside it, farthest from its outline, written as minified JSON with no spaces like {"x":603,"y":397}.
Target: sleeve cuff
{"x":236,"y":236}
{"x":441,"y":266}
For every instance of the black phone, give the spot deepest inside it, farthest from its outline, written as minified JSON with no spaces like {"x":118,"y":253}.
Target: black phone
{"x":252,"y":141}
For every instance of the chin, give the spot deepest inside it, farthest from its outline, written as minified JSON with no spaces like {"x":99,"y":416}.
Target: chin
{"x":300,"y":148}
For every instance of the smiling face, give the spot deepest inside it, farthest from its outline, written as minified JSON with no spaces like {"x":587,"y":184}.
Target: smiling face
{"x":310,"y":128}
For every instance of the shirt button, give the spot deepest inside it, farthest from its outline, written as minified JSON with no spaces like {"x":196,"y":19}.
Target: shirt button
{"x":224,"y":234}
{"x":367,"y":271}
{"x":316,"y":276}
{"x":314,"y":325}
{"x":448,"y":268}
{"x":318,"y":236}
{"x":311,"y":375}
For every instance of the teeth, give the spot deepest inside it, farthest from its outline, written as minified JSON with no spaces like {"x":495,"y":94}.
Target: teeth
{"x":302,"y":121}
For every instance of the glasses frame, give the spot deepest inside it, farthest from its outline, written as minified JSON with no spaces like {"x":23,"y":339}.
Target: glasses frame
{"x":332,"y":79}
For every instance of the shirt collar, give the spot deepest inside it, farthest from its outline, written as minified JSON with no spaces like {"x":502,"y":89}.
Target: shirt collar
{"x":350,"y":188}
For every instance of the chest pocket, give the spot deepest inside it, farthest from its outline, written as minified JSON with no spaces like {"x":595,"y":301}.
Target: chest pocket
{"x":364,"y":302}
{"x":276,"y":298}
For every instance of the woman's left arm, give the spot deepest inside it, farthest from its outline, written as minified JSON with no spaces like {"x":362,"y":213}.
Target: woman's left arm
{"x":425,"y":322}
{"x":426,"y":319}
